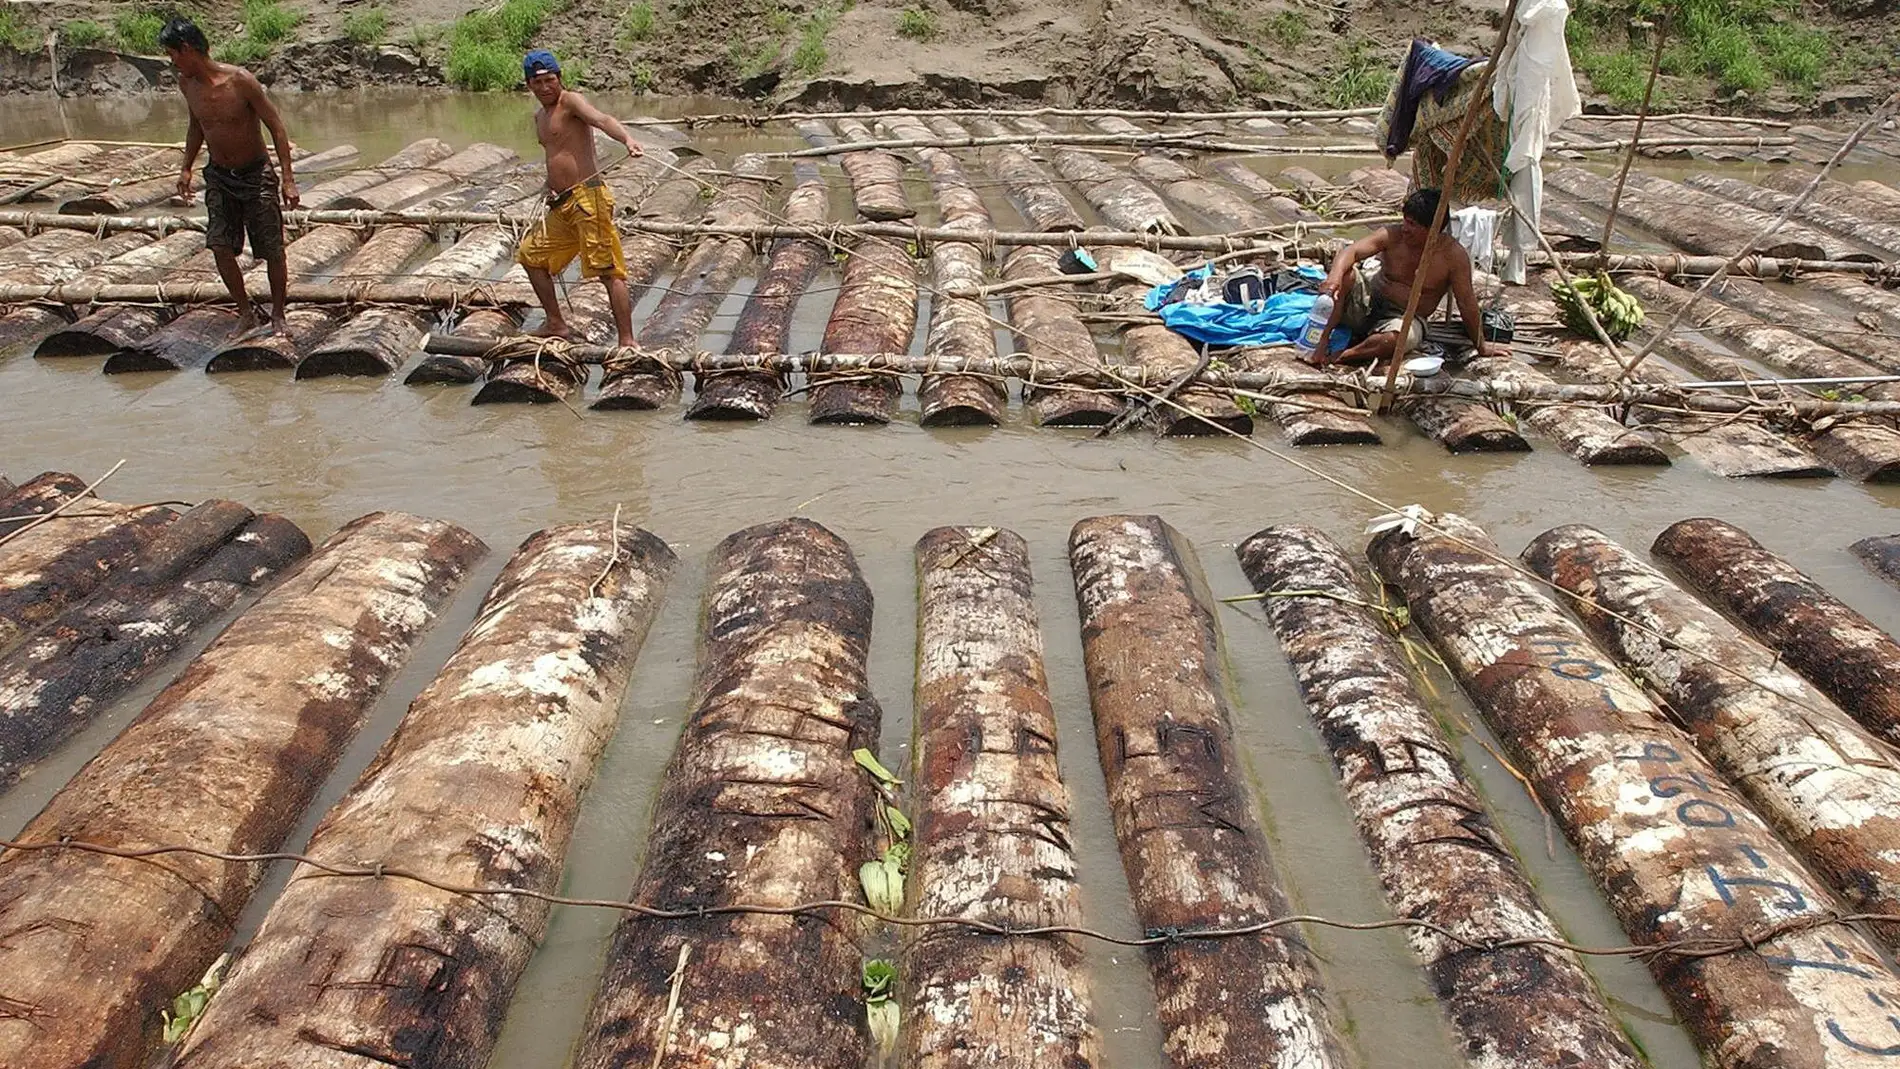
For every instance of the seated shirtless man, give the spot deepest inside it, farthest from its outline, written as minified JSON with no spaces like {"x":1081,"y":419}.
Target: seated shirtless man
{"x":1370,"y":298}
{"x":241,"y":191}
{"x":580,"y":219}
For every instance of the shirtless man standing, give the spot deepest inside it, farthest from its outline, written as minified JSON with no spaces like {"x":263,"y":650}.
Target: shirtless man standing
{"x":580,"y":218}
{"x":1372,"y":301}
{"x":241,"y":190}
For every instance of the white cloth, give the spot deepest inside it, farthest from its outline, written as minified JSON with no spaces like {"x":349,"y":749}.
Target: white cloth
{"x":1477,"y":230}
{"x":1535,"y":92}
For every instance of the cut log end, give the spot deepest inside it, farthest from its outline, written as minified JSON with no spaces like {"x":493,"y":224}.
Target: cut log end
{"x":736,"y":396}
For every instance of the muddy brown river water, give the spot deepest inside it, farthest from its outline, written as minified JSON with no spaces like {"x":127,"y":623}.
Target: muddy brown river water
{"x":326,"y":451}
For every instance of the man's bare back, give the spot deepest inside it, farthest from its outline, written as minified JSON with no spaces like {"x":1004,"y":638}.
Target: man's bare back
{"x":220,"y":102}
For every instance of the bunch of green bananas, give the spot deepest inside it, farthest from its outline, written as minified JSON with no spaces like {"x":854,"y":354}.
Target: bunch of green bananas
{"x":1618,"y":312}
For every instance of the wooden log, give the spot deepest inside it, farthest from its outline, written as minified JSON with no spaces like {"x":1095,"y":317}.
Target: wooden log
{"x":1587,"y":433}
{"x":224,"y":759}
{"x":11,"y":235}
{"x":1823,"y":326}
{"x":46,"y":568}
{"x":1434,"y":846}
{"x":876,"y":311}
{"x":1867,"y":198}
{"x":961,"y":327}
{"x":1881,"y":554}
{"x":1308,"y":417}
{"x":106,"y":330}
{"x":1268,"y":198}
{"x":762,"y":804}
{"x":1882,"y":236}
{"x":421,"y":182}
{"x":1463,"y":426}
{"x":1817,"y":244}
{"x":1836,"y":648}
{"x":96,"y":651}
{"x":376,"y":342}
{"x":484,"y":324}
{"x":673,"y":199}
{"x":423,"y":153}
{"x":1124,"y":202}
{"x":194,"y":337}
{"x":154,"y":179}
{"x":765,"y":322}
{"x":1224,"y":208}
{"x":144,"y":262}
{"x":1675,"y":851}
{"x":699,"y":288}
{"x":1048,"y":331}
{"x":6,"y":487}
{"x":877,"y":178}
{"x":992,"y":839}
{"x":1030,"y":185}
{"x":63,"y":263}
{"x":1827,"y":786}
{"x":36,"y":497}
{"x":112,"y":168}
{"x":480,"y":784}
{"x":1881,"y":305}
{"x":1861,"y":449}
{"x":1193,"y":849}
{"x":306,"y":328}
{"x":1166,"y":355}
{"x":1678,"y":221}
{"x":1380,"y":185}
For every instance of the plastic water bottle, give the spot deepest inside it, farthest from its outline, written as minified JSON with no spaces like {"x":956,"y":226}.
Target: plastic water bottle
{"x":1315,"y":327}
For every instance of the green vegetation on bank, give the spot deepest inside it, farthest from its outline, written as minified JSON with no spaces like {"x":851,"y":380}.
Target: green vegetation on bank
{"x":485,"y":46}
{"x":83,"y":33}
{"x":916,"y":23}
{"x":1732,"y":46}
{"x":137,"y":31}
{"x":369,"y":27}
{"x":264,"y":23}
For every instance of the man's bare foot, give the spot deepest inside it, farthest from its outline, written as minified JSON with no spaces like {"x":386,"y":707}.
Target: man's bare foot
{"x":277,"y":325}
{"x":553,"y":330}
{"x":247,"y":321}
{"x":626,"y":341}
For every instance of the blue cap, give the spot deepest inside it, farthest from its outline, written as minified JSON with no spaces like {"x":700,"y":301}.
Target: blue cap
{"x":539,"y":61}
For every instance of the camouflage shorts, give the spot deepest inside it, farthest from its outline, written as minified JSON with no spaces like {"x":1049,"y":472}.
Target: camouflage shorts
{"x":240,"y":201}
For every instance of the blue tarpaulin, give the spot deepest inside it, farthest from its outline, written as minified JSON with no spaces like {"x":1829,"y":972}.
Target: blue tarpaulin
{"x":1224,"y":324}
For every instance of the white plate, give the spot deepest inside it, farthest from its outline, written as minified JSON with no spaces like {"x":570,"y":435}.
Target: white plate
{"x":1424,"y":366}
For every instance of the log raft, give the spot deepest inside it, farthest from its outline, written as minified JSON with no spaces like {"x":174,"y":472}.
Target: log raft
{"x":146,"y":262}
{"x":1837,"y":649}
{"x":1589,"y":434}
{"x":992,"y":839}
{"x":224,"y":759}
{"x":1196,"y":409}
{"x":1878,"y":350}
{"x":1681,"y":224}
{"x":1050,"y":333}
{"x":1882,"y":236}
{"x":876,"y":311}
{"x":1032,"y":189}
{"x":480,"y":783}
{"x":48,"y":567}
{"x":183,"y":580}
{"x":1438,"y":855}
{"x":1193,"y":850}
{"x":109,"y":329}
{"x":1676,"y":852}
{"x":762,"y":803}
{"x":427,"y":180}
{"x":1125,"y":202}
{"x":335,"y":191}
{"x":765,"y":323}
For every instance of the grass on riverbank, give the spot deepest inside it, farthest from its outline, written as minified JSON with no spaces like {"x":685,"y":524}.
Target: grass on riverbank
{"x":1736,"y":47}
{"x":485,"y":46}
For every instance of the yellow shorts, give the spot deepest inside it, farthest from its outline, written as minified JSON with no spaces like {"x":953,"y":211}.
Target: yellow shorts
{"x":583,"y":225}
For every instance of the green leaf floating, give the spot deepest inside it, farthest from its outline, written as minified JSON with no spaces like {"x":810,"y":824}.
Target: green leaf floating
{"x":187,"y":1007}
{"x":883,"y":882}
{"x":868,"y":761}
{"x":880,"y":1003}
{"x":900,"y":824}
{"x":883,"y":1019}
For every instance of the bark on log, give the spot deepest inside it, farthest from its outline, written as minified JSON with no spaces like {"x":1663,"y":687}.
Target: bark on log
{"x":1868,"y":198}
{"x":1826,"y":785}
{"x":63,"y":262}
{"x":1193,"y":849}
{"x":423,"y":153}
{"x":1884,"y":306}
{"x":1312,"y":417}
{"x":992,"y":837}
{"x":1030,"y":185}
{"x":155,"y":180}
{"x":419,"y":182}
{"x":306,"y":328}
{"x":699,"y":288}
{"x":1840,"y":651}
{"x":1675,"y":851}
{"x":763,"y":804}
{"x":1589,"y":434}
{"x":480,"y":784}
{"x":1848,"y":224}
{"x":1860,"y":449}
{"x":377,"y":341}
{"x":1881,"y":554}
{"x":1825,"y":326}
{"x":116,"y":169}
{"x":674,"y":199}
{"x":107,"y":330}
{"x":1270,"y":199}
{"x":877,"y":178}
{"x":1437,"y":853}
{"x":1196,"y":409}
{"x":1463,"y":426}
{"x":190,"y":340}
{"x":876,"y":311}
{"x":6,"y":487}
{"x":1048,"y":331}
{"x":36,"y":497}
{"x":483,"y":324}
{"x":224,"y":759}
{"x":1679,"y":222}
{"x":1820,"y":245}
{"x":146,"y":262}
{"x":1380,"y":185}
{"x":765,"y":323}
{"x":62,"y":561}
{"x":1217,"y":204}
{"x":54,"y":683}
{"x":1124,"y":202}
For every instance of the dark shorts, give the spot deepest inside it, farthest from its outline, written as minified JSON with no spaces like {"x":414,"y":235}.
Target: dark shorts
{"x":240,"y":201}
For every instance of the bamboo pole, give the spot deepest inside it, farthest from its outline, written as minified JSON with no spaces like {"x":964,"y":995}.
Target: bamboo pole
{"x":1053,"y":342}
{"x":45,"y":569}
{"x":481,"y":782}
{"x":1436,"y":850}
{"x":762,"y":803}
{"x":765,"y":322}
{"x":1840,"y":651}
{"x":1674,"y":850}
{"x":1192,"y":847}
{"x":100,"y":648}
{"x":1825,"y":783}
{"x":991,"y":842}
{"x":224,"y":759}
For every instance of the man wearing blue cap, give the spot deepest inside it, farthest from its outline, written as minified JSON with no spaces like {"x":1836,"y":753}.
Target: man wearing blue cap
{"x":580,"y":217}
